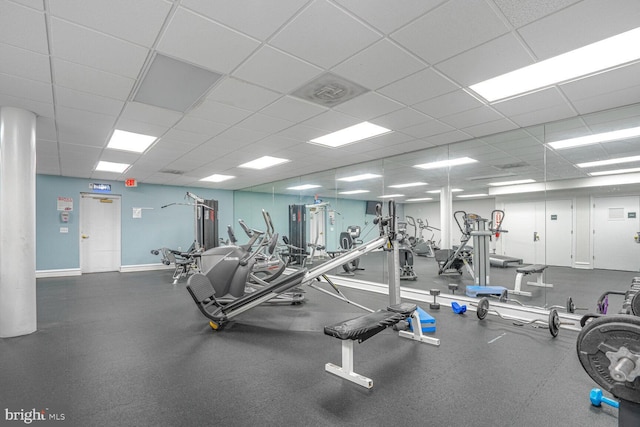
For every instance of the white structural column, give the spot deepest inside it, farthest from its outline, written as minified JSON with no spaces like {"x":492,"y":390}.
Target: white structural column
{"x":18,"y":314}
{"x":446,"y":217}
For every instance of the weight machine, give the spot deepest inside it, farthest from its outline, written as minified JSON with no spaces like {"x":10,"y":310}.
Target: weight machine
{"x":205,"y":221}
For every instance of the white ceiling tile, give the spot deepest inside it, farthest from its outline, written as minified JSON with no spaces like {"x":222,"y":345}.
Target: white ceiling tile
{"x":85,"y":79}
{"x":87,"y":47}
{"x":302,"y":132}
{"x":447,"y":104}
{"x":276,"y":70}
{"x":118,"y":156}
{"x":197,"y":125}
{"x":426,"y":129}
{"x":603,"y":83}
{"x":45,"y":128}
{"x":401,"y":119}
{"x":263,"y":123}
{"x":242,"y":95}
{"x":612,"y":99}
{"x":241,"y":136}
{"x":83,"y":128}
{"x":533,"y":102}
{"x":340,"y":34}
{"x":448,"y":137}
{"x":520,"y":13}
{"x":295,"y":109}
{"x":379,"y":65}
{"x":24,"y":63}
{"x":450,"y":29}
{"x":23,"y":27}
{"x":565,"y":30}
{"x":138,"y":21}
{"x":44,"y":109}
{"x":185,"y":136}
{"x":418,"y":87}
{"x":498,"y":56}
{"x":331,"y":121}
{"x":220,"y":113}
{"x":278,"y":142}
{"x":24,"y":88}
{"x":471,"y":117}
{"x":139,"y":112}
{"x":66,"y":97}
{"x":203,"y":42}
{"x":259,"y":19}
{"x":369,"y":106}
{"x":387,"y":16}
{"x":488,"y":128}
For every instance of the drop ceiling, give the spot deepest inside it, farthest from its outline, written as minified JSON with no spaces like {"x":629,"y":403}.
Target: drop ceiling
{"x":80,"y":64}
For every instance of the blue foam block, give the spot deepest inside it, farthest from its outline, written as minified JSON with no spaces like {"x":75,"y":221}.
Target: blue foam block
{"x":427,"y":322}
{"x":474,"y":291}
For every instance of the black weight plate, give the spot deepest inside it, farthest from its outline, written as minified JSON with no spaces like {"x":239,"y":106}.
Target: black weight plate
{"x":571,"y":307}
{"x":635,"y":304}
{"x":609,"y":333}
{"x":554,"y":322}
{"x":483,"y":308}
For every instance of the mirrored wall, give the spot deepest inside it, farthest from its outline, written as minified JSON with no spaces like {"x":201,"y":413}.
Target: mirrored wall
{"x":566,"y":195}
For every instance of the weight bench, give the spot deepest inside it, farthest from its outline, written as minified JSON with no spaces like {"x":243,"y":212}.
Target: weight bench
{"x":538,"y":270}
{"x":364,"y":327}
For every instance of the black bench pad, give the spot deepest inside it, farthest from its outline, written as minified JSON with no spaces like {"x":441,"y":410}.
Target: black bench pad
{"x":364,"y":327}
{"x":530,"y":269}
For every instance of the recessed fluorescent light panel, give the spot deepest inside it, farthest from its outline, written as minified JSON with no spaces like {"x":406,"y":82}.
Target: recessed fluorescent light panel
{"x":614,"y":172}
{"x":598,"y":138}
{"x":464,"y":196}
{"x":519,"y":181}
{"x":446,"y":163}
{"x":453,"y":190}
{"x":353,"y":192}
{"x":609,"y":162}
{"x":389,"y":196}
{"x":360,"y":177}
{"x":407,"y":185}
{"x":590,"y":59}
{"x":216,"y":177}
{"x":419,"y":199}
{"x":351,"y":134}
{"x":111,"y":167}
{"x":130,"y":141}
{"x":304,"y":187}
{"x":263,"y":163}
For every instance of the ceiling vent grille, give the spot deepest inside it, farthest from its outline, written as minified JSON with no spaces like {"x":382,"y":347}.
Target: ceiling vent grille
{"x":511,"y":166}
{"x":329,"y":90}
{"x":172,"y":171}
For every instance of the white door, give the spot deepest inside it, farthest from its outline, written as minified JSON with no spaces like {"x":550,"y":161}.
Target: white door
{"x":616,"y":222}
{"x":99,"y":233}
{"x":559,"y":233}
{"x":525,"y":236}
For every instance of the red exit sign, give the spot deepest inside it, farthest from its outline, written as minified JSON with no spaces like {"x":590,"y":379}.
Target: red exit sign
{"x":130,"y":182}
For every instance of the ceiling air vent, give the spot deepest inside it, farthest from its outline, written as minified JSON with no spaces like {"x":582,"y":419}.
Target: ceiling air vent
{"x":172,"y":171}
{"x":511,"y":165}
{"x":329,"y":90}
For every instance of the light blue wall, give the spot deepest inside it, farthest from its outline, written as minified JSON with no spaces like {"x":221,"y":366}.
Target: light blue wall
{"x":171,"y":226}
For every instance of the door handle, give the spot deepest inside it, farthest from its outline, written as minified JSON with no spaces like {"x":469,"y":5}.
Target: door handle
{"x":84,"y":236}
{"x":536,"y":236}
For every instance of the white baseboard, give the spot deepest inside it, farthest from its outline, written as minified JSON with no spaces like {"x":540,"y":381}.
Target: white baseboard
{"x":582,"y":266}
{"x":144,"y":267}
{"x":63,"y":272}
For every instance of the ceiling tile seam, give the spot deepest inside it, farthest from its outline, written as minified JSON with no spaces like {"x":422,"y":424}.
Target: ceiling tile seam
{"x":140,"y":78}
{"x":357,"y":18}
{"x":411,"y":22}
{"x":47,"y":25}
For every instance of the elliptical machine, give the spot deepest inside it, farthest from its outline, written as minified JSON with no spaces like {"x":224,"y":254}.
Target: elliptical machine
{"x":405,"y":253}
{"x":349,"y":240}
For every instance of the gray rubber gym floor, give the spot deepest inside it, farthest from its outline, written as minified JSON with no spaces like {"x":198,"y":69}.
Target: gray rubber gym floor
{"x":131,"y":349}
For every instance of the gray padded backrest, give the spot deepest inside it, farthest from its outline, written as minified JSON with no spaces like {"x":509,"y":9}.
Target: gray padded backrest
{"x":200,"y":286}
